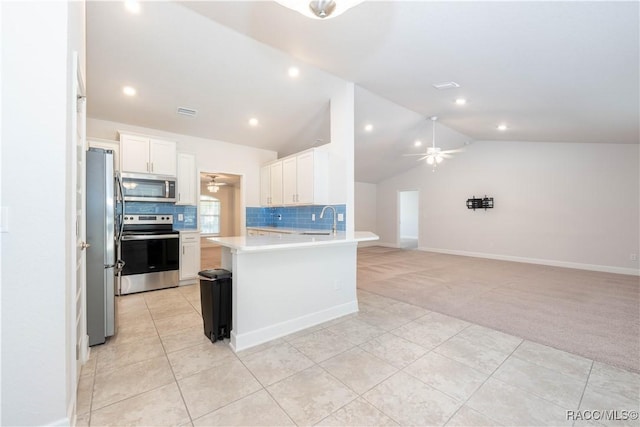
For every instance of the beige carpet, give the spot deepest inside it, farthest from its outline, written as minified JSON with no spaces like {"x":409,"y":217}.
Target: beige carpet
{"x":592,"y":314}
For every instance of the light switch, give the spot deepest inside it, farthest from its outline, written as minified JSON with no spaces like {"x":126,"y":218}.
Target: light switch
{"x":180,"y":217}
{"x":340,"y":217}
{"x":313,"y":217}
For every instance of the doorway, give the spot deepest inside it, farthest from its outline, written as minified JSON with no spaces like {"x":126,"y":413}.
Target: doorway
{"x":219,"y":213}
{"x":408,"y":204}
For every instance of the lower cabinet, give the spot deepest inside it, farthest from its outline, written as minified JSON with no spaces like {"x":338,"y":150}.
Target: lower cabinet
{"x":189,"y":255}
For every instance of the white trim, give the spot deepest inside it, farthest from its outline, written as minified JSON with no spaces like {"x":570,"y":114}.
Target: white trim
{"x":387,"y":245}
{"x":554,"y":263}
{"x":254,"y":338}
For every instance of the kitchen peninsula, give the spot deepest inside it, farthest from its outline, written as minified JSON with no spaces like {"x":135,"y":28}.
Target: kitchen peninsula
{"x":285,"y":283}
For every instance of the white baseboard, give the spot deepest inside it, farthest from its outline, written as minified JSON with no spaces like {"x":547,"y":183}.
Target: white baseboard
{"x":554,"y":263}
{"x":257,"y":337}
{"x":387,"y":245}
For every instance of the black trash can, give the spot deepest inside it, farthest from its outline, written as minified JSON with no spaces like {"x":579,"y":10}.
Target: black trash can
{"x":215,"y":301}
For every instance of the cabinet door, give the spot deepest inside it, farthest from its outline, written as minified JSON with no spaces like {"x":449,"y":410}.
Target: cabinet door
{"x":189,"y":256}
{"x":187,"y":178}
{"x":265,"y":185}
{"x":135,"y":154}
{"x":289,"y":187}
{"x":305,"y":178}
{"x":162,"y":157}
{"x":276,"y":183}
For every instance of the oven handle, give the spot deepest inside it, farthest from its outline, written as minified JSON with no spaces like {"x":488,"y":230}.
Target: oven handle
{"x":150,"y":237}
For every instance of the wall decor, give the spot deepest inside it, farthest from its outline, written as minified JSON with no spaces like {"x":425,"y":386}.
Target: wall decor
{"x":477,"y":203}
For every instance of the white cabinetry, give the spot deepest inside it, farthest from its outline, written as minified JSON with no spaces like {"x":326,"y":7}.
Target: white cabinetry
{"x":141,"y":154}
{"x":189,"y":255}
{"x":271,"y":184}
{"x":300,"y":179}
{"x":305,"y":178}
{"x":187,"y":188}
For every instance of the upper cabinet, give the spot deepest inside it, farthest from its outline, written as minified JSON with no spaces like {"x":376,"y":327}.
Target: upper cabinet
{"x":271,"y":184}
{"x":141,"y":154}
{"x":187,"y":178}
{"x":301,"y":179}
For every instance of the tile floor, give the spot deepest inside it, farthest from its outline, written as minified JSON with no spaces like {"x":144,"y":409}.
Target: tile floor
{"x":391,"y":364}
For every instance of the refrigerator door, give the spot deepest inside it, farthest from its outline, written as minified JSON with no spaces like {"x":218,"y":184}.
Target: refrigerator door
{"x":101,"y":253}
{"x":109,"y":297}
{"x":110,"y":212}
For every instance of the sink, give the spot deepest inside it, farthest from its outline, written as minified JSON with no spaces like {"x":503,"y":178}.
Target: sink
{"x":315,"y":233}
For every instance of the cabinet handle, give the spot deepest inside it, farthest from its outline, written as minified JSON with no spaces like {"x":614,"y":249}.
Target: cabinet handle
{"x":148,"y":167}
{"x":151,"y":166}
{"x":183,"y":250}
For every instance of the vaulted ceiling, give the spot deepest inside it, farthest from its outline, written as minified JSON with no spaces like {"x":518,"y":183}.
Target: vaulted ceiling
{"x":551,"y":71}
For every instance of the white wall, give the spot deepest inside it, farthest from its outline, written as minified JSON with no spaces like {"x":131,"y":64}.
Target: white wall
{"x":341,"y":151}
{"x":211,"y":155}
{"x":556,"y":203}
{"x":365,"y":206}
{"x":35,"y":139}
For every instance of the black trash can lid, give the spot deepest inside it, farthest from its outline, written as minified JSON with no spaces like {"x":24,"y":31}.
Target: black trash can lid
{"x":217,"y":273}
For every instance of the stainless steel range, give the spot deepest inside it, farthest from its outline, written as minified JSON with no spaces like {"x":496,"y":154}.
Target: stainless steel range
{"x":149,"y":249}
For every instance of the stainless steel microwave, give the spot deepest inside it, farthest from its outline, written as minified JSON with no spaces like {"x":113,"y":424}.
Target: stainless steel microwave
{"x":147,"y":188}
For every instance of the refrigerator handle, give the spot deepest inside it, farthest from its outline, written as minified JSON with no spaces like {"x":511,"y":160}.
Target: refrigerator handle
{"x":121,"y":190}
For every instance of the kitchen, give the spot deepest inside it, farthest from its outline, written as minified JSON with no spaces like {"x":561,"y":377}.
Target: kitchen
{"x":41,"y":340}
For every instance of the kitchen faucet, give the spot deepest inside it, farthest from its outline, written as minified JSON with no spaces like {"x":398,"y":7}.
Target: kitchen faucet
{"x":334,"y":216}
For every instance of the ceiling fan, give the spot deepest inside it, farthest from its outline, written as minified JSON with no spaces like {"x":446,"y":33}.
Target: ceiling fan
{"x":434,"y":155}
{"x":213,"y":186}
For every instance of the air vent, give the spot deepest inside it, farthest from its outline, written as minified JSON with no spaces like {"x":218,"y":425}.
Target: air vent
{"x":187,"y":111}
{"x":446,"y":85}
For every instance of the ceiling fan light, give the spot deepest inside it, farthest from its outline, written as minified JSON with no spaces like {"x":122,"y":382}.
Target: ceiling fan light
{"x":439,"y":159}
{"x":430,"y":160}
{"x":320,"y":9}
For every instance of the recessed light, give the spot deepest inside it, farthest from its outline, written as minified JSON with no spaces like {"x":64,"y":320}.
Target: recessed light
{"x":502,"y":127}
{"x":132,"y":6}
{"x":461,"y":101}
{"x":253,"y":122}
{"x":418,"y":143}
{"x":294,"y":72}
{"x":368,"y":127}
{"x":129,"y":91}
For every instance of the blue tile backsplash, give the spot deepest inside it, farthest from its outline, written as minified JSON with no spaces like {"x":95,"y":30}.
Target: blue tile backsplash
{"x":295,"y":217}
{"x":190,"y":221}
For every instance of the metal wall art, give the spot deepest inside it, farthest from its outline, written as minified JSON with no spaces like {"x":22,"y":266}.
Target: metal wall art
{"x":477,"y":203}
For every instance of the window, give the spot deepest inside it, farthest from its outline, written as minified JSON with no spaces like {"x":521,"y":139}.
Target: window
{"x":209,"y":215}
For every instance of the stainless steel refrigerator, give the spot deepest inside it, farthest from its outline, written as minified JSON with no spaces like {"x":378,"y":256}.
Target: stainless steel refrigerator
{"x":101,"y":254}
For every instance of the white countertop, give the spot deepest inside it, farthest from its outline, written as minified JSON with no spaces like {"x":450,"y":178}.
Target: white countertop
{"x":288,"y":241}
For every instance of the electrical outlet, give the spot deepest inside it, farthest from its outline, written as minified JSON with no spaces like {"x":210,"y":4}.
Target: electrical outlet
{"x":633,"y":257}
{"x":313,"y":217}
{"x":340,"y":217}
{"x":180,"y":217}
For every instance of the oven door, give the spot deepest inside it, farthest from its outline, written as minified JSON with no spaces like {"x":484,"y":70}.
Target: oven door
{"x":149,"y":253}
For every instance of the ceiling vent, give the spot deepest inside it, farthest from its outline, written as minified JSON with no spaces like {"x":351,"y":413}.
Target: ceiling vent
{"x":446,"y":85}
{"x":187,"y":111}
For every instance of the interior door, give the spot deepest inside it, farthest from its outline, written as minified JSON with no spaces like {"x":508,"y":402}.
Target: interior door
{"x":79,"y":304}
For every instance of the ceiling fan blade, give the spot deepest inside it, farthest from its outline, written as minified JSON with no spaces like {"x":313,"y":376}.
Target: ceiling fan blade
{"x":415,"y":154}
{"x":422,"y":158}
